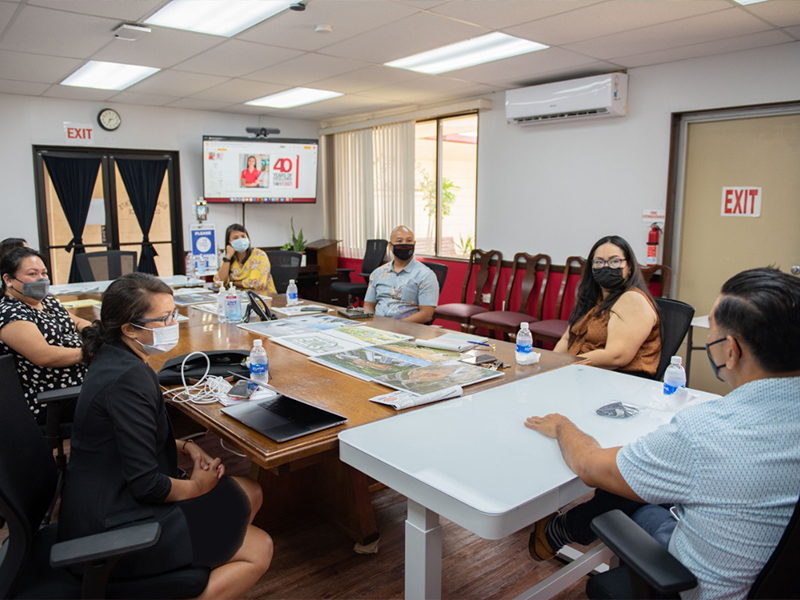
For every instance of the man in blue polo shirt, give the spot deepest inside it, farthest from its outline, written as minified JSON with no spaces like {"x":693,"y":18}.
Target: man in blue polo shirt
{"x":730,"y":466}
{"x":403,"y":288}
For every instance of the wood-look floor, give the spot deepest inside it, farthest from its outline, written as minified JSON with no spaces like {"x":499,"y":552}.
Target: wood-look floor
{"x":313,"y":559}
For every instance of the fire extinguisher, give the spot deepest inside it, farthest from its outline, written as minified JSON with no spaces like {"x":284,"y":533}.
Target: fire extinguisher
{"x":652,"y":244}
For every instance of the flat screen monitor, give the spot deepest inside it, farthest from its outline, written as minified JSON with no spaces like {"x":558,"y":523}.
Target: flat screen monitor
{"x":240,"y":169}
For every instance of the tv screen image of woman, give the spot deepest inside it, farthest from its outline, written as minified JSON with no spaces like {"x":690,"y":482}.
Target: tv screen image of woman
{"x":255,"y":170}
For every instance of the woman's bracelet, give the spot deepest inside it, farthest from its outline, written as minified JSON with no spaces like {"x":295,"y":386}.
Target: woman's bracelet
{"x":183,"y":448}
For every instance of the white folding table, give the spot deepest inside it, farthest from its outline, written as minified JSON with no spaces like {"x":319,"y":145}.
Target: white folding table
{"x":473,"y":461}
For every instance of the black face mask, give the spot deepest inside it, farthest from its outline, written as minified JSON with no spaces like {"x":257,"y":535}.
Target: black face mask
{"x":608,"y":278}
{"x":714,"y":366}
{"x":403,"y":251}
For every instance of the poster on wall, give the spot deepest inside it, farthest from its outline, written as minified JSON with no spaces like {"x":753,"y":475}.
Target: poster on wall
{"x":204,"y":248}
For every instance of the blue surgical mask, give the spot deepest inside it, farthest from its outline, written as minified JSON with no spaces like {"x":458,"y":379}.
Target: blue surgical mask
{"x":240,"y":244}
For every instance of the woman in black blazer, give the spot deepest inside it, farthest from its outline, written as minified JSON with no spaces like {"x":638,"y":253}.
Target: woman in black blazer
{"x":123,"y":460}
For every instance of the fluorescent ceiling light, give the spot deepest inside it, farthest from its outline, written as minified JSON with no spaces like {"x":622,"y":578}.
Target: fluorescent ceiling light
{"x":746,"y":2}
{"x":479,"y":50}
{"x":108,"y":75}
{"x":294,"y":97}
{"x":216,"y":17}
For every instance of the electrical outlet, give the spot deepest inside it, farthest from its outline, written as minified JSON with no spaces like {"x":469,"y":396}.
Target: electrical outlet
{"x":486,"y":298}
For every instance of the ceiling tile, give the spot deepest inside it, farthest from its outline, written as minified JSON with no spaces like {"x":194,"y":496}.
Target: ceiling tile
{"x":422,"y":4}
{"x":782,"y":13}
{"x":7,"y":11}
{"x":77,"y":93}
{"x":694,"y":30}
{"x":744,"y":42}
{"x":36,"y":67}
{"x":239,"y":91}
{"x":794,"y":31}
{"x":611,"y":17}
{"x":417,"y":33}
{"x":496,"y":14}
{"x":58,"y":33}
{"x":25,"y":88}
{"x":365,"y":79}
{"x":307,"y":68}
{"x":162,"y":48}
{"x":293,"y":29}
{"x":522,"y":66}
{"x":176,"y":83}
{"x":354,"y":103}
{"x":235,"y":58}
{"x":196,"y":104}
{"x":147,"y":99}
{"x":415,"y":89}
{"x":125,"y":11}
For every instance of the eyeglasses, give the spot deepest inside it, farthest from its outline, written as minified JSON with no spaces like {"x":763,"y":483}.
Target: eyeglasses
{"x":614,"y":263}
{"x":170,"y":319}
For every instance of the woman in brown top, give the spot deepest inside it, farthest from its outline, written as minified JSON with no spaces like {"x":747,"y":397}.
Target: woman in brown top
{"x":615,"y":322}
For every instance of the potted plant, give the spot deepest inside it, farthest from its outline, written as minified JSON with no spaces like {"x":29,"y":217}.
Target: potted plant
{"x":298,"y":243}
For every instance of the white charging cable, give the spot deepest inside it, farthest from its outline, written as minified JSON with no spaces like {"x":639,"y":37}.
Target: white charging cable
{"x":209,"y":389}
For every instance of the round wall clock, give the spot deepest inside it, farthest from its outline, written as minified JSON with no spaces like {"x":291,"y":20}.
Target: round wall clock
{"x":109,"y":119}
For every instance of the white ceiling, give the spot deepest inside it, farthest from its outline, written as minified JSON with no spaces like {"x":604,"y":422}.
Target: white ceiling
{"x":43,"y":41}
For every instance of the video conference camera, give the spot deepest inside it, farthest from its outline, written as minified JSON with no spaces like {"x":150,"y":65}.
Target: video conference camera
{"x":262,"y":132}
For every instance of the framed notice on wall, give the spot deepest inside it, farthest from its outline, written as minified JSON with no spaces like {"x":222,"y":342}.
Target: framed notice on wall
{"x":204,"y":248}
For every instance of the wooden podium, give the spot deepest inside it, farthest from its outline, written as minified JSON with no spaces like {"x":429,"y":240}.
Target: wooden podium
{"x":323,"y":253}
{"x":322,"y":260}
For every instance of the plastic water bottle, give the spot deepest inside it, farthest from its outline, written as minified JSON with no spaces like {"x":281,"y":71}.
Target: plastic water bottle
{"x":190,"y":266}
{"x":524,"y":353}
{"x":259,"y":364}
{"x":233,"y":306}
{"x":221,"y":303}
{"x":675,"y":376}
{"x":291,"y":293}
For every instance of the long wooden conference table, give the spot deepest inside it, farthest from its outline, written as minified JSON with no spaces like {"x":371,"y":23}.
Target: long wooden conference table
{"x":306,"y":475}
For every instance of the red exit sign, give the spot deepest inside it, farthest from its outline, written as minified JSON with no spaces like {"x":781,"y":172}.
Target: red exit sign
{"x":79,"y":133}
{"x":741,"y":202}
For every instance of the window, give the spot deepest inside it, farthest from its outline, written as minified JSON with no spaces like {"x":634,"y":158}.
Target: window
{"x":446,"y":168}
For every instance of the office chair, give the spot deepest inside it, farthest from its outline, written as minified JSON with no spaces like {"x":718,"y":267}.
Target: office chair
{"x":31,"y":560}
{"x":482,"y":265}
{"x":374,"y":257}
{"x":284,"y":265}
{"x":650,"y":571}
{"x":103,"y":266}
{"x":440,"y":271}
{"x":676,"y":316}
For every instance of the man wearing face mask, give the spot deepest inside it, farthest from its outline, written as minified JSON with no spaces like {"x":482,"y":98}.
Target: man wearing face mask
{"x":730,"y":466}
{"x":34,"y":328}
{"x":404,"y":288}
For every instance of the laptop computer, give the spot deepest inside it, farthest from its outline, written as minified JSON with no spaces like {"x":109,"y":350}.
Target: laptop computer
{"x":283,"y":418}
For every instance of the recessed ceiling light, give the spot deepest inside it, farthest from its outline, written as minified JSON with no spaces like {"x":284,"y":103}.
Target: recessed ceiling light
{"x":294,"y":97}
{"x":108,"y":75}
{"x":746,"y":2}
{"x":479,"y":50}
{"x":216,"y":17}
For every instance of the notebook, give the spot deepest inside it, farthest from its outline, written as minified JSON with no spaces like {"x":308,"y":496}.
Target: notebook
{"x":283,"y":418}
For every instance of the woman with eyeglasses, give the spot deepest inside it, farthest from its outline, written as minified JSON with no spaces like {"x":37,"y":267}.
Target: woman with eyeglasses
{"x":37,"y":331}
{"x":123,"y":461}
{"x":615,"y":321}
{"x":247,"y":267}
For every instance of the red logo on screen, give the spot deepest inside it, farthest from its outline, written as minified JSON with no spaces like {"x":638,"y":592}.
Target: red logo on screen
{"x":284,"y":165}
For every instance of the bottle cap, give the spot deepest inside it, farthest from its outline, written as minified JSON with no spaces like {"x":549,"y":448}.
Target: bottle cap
{"x":523,"y":325}
{"x":291,"y":281}
{"x":257,"y":343}
{"x":675,"y":360}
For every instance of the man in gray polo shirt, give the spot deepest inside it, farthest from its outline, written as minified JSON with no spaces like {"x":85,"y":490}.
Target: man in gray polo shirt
{"x":403,"y":288}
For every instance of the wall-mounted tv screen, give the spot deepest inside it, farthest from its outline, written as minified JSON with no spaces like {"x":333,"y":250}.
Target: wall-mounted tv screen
{"x":239,"y":169}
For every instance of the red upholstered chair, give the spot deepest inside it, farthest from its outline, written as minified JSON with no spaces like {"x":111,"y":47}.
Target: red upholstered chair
{"x":527,"y":285}
{"x":484,"y":272}
{"x":551,"y":330}
{"x":657,"y":287}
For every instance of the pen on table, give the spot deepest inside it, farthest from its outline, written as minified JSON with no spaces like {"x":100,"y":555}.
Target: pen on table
{"x":481,"y":344}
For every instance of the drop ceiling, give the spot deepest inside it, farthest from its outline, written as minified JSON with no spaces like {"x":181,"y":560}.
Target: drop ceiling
{"x":43,"y":41}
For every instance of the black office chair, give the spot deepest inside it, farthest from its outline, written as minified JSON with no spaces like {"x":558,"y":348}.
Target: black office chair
{"x":374,"y":257}
{"x":104,"y":266}
{"x":284,"y":265}
{"x":30,"y":559}
{"x":440,"y":271}
{"x":676,"y":316}
{"x":650,"y":571}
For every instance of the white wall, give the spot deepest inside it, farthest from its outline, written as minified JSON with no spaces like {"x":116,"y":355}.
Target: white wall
{"x":558,"y":187}
{"x":28,"y":121}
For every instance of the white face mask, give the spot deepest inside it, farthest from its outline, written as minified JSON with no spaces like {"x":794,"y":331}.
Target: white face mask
{"x":164,"y":339}
{"x":240,"y":244}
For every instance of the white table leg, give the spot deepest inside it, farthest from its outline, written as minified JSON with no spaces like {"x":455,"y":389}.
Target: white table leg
{"x":566,"y":576}
{"x":423,"y":553}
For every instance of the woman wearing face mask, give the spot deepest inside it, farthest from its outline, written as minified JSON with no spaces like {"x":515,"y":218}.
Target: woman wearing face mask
{"x":248,"y":268}
{"x":123,"y":462}
{"x":39,"y":332}
{"x":615,"y":321}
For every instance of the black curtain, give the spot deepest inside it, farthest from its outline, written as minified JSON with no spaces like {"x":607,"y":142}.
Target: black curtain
{"x":143,"y":179}
{"x":74,"y":179}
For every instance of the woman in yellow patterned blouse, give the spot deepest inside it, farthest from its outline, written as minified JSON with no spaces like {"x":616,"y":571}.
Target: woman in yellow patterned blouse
{"x":247,"y":267}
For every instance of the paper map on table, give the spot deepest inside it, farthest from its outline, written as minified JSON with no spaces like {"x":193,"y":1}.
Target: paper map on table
{"x":317,"y":342}
{"x":435,"y":377}
{"x":367,"y":336}
{"x":276,"y":329}
{"x":368,"y":363}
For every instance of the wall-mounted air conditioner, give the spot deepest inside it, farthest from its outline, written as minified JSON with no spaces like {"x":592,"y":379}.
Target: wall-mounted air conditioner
{"x":598,"y":96}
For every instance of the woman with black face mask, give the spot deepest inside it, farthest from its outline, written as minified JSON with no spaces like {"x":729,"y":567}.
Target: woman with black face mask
{"x":615,"y":322}
{"x":37,"y":331}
